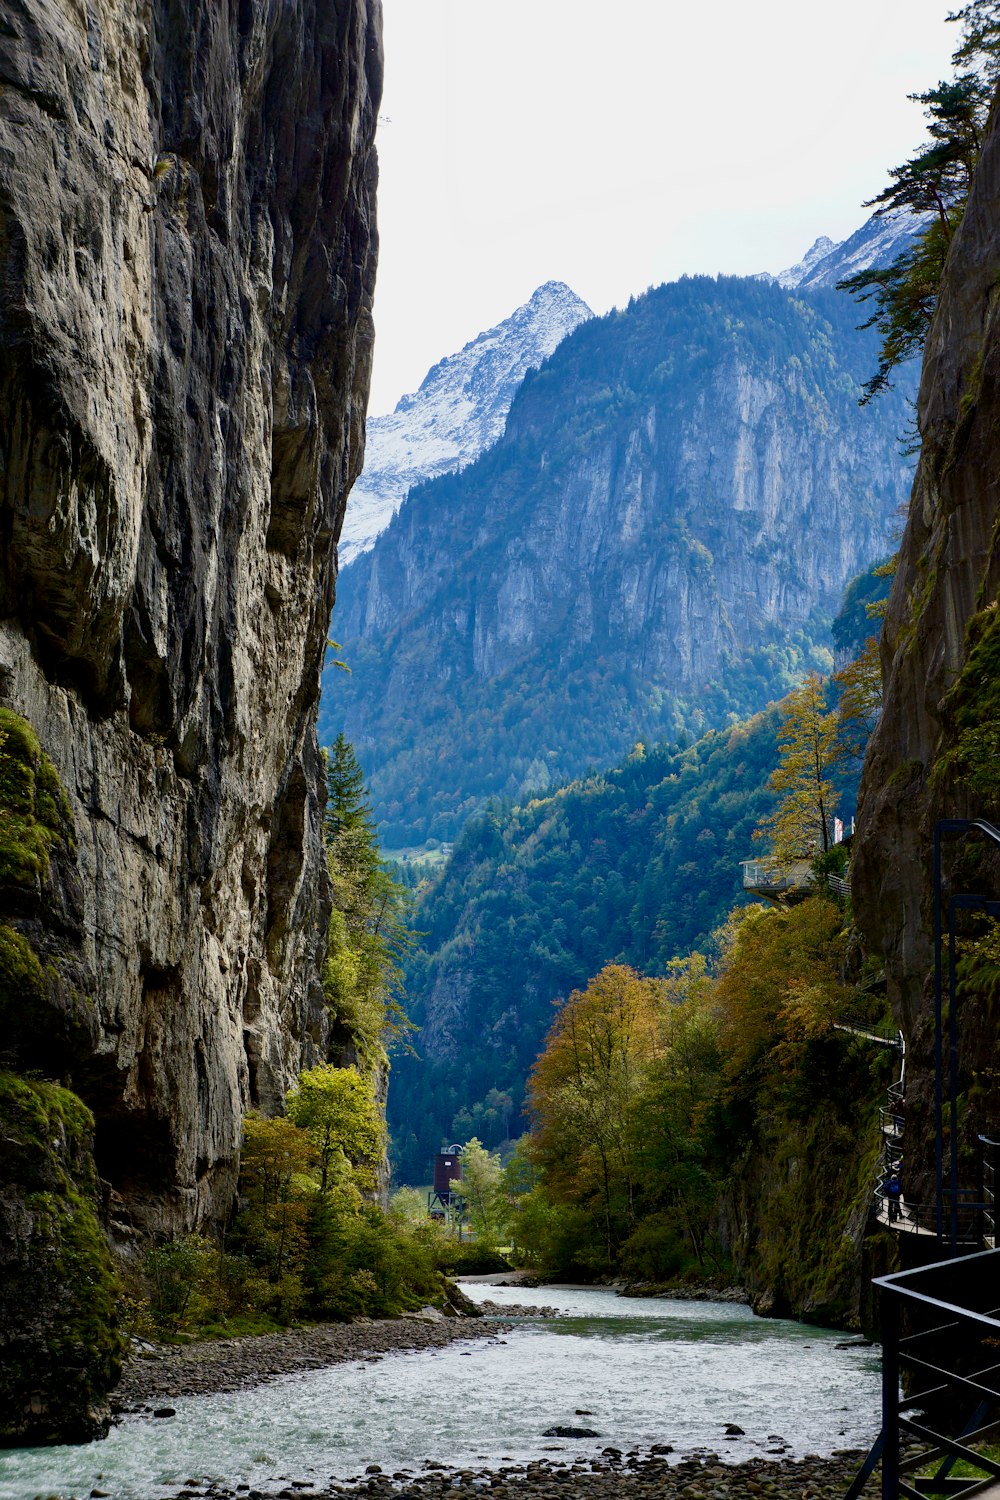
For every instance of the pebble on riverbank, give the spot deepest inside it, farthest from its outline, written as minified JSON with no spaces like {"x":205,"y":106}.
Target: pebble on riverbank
{"x":685,"y":1292}
{"x":632,"y":1476}
{"x":167,"y":1370}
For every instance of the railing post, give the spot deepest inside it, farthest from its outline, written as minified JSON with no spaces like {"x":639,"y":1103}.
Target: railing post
{"x":890,"y":1396}
{"x":953,"y":1075}
{"x":938,"y":1040}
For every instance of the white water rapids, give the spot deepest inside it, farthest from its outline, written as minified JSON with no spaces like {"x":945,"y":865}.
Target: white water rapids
{"x":644,"y":1370}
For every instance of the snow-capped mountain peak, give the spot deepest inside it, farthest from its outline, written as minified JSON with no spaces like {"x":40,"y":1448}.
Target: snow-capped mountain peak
{"x":878,"y":242}
{"x":796,"y":274}
{"x":458,"y":412}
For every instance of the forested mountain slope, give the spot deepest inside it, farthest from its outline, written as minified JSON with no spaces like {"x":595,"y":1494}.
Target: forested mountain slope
{"x":681,"y":494}
{"x":636,"y":865}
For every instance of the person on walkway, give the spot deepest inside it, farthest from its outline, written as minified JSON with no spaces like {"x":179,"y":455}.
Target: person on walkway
{"x":893,"y":1192}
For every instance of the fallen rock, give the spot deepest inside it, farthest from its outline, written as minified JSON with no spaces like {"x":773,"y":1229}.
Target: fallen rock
{"x":570,"y":1432}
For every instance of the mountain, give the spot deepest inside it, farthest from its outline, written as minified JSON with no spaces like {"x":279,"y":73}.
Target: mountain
{"x":636,"y":865}
{"x":655,"y":545}
{"x":459,"y":410}
{"x":877,"y":243}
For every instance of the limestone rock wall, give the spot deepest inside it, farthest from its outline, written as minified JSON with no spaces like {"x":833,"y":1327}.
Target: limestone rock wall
{"x":935,"y":653}
{"x":187,"y":255}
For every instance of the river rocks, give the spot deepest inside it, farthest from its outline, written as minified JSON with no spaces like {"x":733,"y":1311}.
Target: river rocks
{"x":516,"y":1309}
{"x":648,"y":1477}
{"x":570,"y":1432}
{"x":239,"y":1364}
{"x":685,"y":1292}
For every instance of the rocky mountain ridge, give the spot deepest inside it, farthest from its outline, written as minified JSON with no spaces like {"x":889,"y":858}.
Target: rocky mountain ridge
{"x":877,"y":243}
{"x":458,"y":412}
{"x":680,"y":494}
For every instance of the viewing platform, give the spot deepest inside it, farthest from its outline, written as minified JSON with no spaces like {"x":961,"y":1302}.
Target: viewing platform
{"x":784,"y":887}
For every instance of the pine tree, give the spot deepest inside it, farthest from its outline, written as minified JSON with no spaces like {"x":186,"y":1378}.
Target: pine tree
{"x":347,"y":804}
{"x":369,"y":934}
{"x":935,"y":183}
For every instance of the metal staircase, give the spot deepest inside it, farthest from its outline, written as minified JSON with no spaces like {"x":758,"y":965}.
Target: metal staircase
{"x":941,"y":1322}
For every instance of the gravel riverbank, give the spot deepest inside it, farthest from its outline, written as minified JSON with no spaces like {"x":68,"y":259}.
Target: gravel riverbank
{"x":158,"y":1372}
{"x":633,"y":1476}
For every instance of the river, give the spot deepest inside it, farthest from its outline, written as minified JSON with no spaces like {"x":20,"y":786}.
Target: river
{"x":644,"y":1371}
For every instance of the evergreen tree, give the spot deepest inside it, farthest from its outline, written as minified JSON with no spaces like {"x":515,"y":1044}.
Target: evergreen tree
{"x":347,"y":804}
{"x":934,"y":182}
{"x":369,"y":935}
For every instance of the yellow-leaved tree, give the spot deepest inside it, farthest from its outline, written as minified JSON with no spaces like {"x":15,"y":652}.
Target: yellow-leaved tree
{"x":585,"y":1091}
{"x":810,"y":751}
{"x":337,"y":1109}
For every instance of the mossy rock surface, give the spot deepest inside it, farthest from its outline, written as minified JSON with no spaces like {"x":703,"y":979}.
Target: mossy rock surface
{"x":45,"y":1019}
{"x":34,"y":812}
{"x":60,"y":1348}
{"x":971,"y":712}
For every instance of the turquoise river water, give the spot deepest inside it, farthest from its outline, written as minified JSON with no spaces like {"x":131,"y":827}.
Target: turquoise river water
{"x":648,"y":1370}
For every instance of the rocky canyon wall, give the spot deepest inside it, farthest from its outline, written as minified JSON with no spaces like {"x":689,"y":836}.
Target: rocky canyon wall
{"x":935,"y":752}
{"x":187,"y":257}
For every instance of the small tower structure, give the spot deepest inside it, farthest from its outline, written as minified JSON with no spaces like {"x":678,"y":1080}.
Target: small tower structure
{"x":447,"y":1171}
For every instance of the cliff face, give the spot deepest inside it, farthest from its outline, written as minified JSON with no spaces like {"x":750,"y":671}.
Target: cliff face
{"x":934,"y":752}
{"x":188,"y":253}
{"x":681,"y":492}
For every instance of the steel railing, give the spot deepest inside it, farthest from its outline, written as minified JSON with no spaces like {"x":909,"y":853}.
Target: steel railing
{"x":941,"y":1327}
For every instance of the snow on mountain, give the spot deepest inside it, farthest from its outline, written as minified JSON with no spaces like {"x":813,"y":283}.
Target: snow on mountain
{"x":459,"y":410}
{"x":878,"y":242}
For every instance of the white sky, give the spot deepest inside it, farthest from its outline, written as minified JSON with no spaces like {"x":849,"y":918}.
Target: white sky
{"x":615,"y":144}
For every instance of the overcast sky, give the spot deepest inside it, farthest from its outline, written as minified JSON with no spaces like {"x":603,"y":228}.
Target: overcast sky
{"x":617,"y":145}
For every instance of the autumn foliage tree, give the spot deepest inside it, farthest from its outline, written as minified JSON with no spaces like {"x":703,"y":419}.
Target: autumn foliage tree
{"x":584,"y":1092}
{"x":809,"y":753}
{"x":336,"y":1108}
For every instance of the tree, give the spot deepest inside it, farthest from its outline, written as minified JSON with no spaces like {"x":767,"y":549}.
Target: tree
{"x":347,"y":804}
{"x":932,"y":184}
{"x":274,"y":1168}
{"x":369,"y":935}
{"x":682,"y":1085}
{"x":860,"y":685}
{"x":336,"y":1108}
{"x":584,"y":1091}
{"x":779,"y":971}
{"x":801,"y":825}
{"x":483,"y":1192}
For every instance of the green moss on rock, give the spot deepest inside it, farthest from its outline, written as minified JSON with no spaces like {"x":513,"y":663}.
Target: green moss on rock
{"x":34,"y":812}
{"x":971,"y":712}
{"x":60,"y":1348}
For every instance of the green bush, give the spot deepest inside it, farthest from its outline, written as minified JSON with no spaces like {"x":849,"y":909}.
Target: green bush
{"x":473,"y":1258}
{"x":655,"y":1250}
